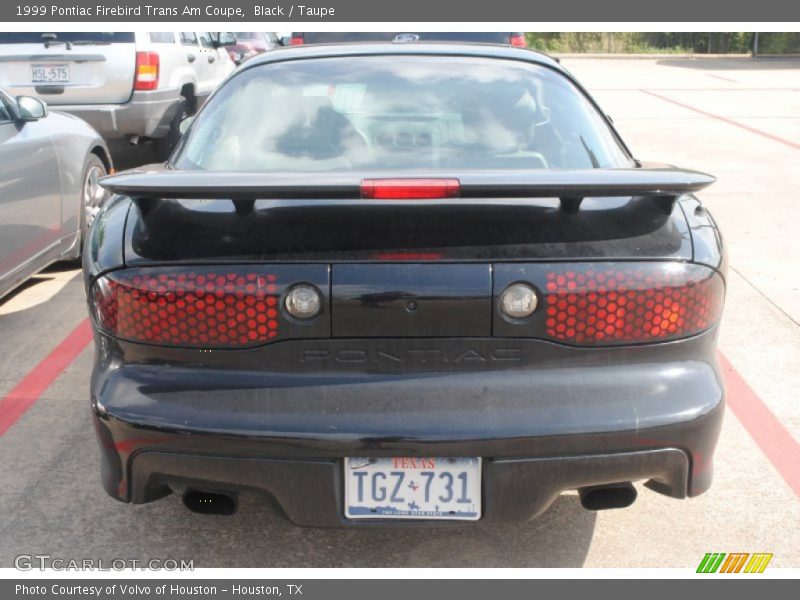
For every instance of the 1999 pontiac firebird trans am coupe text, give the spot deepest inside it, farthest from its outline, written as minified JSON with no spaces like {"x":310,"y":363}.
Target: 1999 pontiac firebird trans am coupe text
{"x":408,"y":284}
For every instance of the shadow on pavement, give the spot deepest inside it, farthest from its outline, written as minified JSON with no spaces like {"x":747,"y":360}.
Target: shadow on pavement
{"x":125,"y":156}
{"x":27,"y":284}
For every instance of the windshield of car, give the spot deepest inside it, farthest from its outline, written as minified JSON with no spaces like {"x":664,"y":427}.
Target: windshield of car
{"x":96,"y":37}
{"x":399,"y":112}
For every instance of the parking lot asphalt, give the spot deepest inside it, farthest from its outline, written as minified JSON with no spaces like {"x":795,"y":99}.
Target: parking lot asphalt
{"x":735,"y":118}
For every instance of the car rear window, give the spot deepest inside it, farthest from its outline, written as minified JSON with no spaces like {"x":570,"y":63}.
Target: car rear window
{"x":399,"y":112}
{"x":96,"y":37}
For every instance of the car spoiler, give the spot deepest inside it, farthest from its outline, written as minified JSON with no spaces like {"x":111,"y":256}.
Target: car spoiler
{"x":571,"y":186}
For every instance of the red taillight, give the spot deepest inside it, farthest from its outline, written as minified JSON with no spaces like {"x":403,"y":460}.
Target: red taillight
{"x":296,"y":40}
{"x":410,"y":189}
{"x":202,"y":307}
{"x":641,"y":302}
{"x":147,"y":67}
{"x":518,"y":40}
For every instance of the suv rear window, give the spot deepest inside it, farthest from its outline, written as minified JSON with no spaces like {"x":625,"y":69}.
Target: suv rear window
{"x":399,"y":112}
{"x":73,"y":37}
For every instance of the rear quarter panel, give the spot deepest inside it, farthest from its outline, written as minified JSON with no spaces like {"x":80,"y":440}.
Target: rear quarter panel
{"x":74,"y":141}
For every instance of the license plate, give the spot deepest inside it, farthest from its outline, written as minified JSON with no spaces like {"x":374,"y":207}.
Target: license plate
{"x":55,"y":73}
{"x":413,"y":488}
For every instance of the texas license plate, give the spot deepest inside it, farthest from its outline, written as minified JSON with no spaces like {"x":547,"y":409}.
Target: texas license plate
{"x":53,"y":73}
{"x":413,"y":488}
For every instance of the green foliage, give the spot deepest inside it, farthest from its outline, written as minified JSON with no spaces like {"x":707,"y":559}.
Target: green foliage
{"x":779,"y":43}
{"x":662,"y":42}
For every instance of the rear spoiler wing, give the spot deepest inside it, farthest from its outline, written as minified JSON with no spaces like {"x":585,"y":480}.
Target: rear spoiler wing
{"x":571,"y":186}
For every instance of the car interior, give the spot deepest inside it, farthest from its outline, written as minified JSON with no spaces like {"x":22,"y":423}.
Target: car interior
{"x":399,"y":119}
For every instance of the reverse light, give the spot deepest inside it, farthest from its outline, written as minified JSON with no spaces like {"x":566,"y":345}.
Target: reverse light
{"x":147,"y":71}
{"x":303,"y":302}
{"x":410,"y":189}
{"x":518,"y":301}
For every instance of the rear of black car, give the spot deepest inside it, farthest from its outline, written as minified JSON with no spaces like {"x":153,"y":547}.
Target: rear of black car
{"x":392,"y":284}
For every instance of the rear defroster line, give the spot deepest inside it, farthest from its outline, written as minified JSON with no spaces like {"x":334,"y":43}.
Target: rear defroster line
{"x":25,"y":394}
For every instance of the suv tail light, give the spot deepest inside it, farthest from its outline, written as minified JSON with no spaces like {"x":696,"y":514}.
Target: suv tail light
{"x":591,"y":304}
{"x":190,"y":307}
{"x":518,"y":40}
{"x":147,"y":71}
{"x":296,"y":40}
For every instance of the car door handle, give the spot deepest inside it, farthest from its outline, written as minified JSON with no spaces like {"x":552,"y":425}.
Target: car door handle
{"x":191,"y":58}
{"x":211,"y":58}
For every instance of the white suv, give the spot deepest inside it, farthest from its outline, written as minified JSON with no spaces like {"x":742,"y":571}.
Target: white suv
{"x":129,"y":86}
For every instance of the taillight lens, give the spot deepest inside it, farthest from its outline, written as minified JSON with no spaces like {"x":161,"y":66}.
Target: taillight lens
{"x":297,"y":40}
{"x":189,"y":307}
{"x":410,"y":189}
{"x":636,"y":302}
{"x":518,"y":40}
{"x":147,"y":71}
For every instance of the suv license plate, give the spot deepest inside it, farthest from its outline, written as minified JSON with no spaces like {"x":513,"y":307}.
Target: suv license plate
{"x":412,"y":488}
{"x":55,"y":73}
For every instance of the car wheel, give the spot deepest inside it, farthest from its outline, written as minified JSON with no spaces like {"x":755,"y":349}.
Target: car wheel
{"x":166,"y":144}
{"x":93,"y":195}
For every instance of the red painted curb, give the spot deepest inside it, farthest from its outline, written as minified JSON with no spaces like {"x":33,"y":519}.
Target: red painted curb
{"x":699,"y":111}
{"x":772,"y":437}
{"x":27,"y":392}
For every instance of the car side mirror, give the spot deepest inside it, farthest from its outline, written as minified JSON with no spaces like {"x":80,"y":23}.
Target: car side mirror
{"x":30,"y":108}
{"x":224,"y":39}
{"x":183,"y":126}
{"x":285,"y":40}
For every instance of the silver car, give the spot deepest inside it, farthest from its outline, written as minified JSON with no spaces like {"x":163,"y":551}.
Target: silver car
{"x":49,"y":195}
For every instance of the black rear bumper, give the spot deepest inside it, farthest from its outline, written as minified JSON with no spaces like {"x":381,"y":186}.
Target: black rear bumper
{"x":556,"y":419}
{"x":310,"y":492}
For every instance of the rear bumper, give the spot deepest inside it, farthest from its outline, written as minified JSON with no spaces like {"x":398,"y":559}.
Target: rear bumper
{"x":310,"y":492}
{"x":568,"y":419}
{"x":146,"y":114}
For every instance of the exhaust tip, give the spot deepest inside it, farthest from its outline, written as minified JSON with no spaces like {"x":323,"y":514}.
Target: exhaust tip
{"x":604,"y":497}
{"x":209,"y":503}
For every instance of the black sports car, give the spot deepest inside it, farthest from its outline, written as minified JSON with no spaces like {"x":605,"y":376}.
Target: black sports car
{"x":405,"y":281}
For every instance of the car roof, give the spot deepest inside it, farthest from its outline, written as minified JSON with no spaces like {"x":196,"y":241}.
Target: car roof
{"x":346,"y":49}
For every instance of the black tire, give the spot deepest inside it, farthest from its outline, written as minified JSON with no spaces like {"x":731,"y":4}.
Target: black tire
{"x":165,"y":145}
{"x":93,"y":196}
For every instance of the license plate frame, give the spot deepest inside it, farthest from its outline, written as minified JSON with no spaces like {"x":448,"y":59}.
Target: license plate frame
{"x":50,"y":73}
{"x":420,"y":493}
